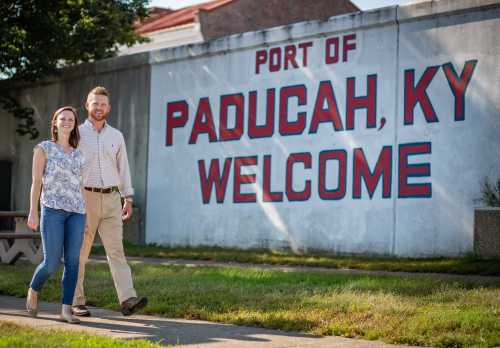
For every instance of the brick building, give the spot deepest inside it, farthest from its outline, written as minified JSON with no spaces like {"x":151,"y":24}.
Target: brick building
{"x":217,"y":18}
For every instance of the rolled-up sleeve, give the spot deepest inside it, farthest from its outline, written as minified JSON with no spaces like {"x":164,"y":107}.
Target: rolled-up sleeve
{"x":123,"y":167}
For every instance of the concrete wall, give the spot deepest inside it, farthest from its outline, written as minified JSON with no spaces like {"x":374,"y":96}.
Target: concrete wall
{"x":487,"y":232}
{"x":421,"y":73}
{"x":128,"y":81}
{"x":250,"y":15}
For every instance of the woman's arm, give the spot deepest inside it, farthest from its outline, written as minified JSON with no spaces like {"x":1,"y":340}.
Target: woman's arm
{"x":86,"y":229}
{"x":39,"y":160}
{"x":82,"y":187}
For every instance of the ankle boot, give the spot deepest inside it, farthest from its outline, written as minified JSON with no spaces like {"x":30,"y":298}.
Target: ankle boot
{"x":32,"y":302}
{"x":67,"y":315}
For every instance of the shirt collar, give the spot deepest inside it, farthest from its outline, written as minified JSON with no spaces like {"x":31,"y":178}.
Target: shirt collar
{"x":89,"y":125}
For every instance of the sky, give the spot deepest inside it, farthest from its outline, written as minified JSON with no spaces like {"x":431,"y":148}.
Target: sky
{"x":363,"y":4}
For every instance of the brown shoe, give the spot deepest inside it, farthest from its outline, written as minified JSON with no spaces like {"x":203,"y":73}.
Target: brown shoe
{"x":80,"y":311}
{"x":132,"y":304}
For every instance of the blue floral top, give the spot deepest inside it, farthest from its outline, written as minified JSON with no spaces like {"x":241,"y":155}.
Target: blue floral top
{"x":62,"y":179}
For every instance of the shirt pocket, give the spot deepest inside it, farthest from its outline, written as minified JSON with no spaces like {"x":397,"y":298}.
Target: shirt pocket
{"x":111,"y":148}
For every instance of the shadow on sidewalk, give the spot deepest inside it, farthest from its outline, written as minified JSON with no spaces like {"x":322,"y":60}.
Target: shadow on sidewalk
{"x":156,"y":329}
{"x":192,"y":332}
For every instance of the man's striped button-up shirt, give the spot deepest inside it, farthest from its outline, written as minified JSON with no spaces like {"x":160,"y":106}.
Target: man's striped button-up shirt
{"x":106,"y":162}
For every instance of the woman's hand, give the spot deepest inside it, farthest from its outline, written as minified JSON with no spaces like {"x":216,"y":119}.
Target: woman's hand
{"x":33,"y":221}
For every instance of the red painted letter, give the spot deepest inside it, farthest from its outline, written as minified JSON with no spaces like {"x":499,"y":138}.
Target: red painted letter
{"x":406,"y":170}
{"x":201,"y":126}
{"x":459,"y":85}
{"x":214,"y":177}
{"x":339,"y":192}
{"x":260,"y":58}
{"x":305,"y":46}
{"x":297,"y":127}
{"x":240,"y":179}
{"x":266,"y":130}
{"x":417,"y":94}
{"x":371,"y":179}
{"x":332,"y":58}
{"x":348,"y":46}
{"x":290,"y":56}
{"x":225,"y":133}
{"x":331,"y":113}
{"x":275,"y":59}
{"x":368,"y":102}
{"x":175,"y":122}
{"x":269,"y":196}
{"x":290,"y":193}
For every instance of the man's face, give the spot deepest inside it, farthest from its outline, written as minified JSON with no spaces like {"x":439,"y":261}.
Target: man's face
{"x":98,"y":107}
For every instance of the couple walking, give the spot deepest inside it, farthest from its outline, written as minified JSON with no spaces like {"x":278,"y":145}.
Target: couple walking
{"x":80,"y":177}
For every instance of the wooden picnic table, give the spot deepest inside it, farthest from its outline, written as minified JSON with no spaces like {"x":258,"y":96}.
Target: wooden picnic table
{"x":23,"y":241}
{"x":15,"y":214}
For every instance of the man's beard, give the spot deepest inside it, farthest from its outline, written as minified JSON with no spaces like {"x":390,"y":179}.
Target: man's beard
{"x":98,"y":117}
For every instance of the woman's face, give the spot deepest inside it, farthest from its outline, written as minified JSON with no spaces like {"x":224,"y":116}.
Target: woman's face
{"x":65,"y":122}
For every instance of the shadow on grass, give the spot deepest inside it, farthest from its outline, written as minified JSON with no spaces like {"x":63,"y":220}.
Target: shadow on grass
{"x":457,"y":265}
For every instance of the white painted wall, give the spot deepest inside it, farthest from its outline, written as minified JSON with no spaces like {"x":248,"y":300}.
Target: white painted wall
{"x":389,"y":42}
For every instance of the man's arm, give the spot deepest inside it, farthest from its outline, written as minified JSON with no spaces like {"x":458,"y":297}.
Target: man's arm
{"x":125,"y":186}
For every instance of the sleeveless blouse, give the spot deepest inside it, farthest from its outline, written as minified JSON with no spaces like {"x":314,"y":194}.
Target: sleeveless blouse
{"x":62,"y":179}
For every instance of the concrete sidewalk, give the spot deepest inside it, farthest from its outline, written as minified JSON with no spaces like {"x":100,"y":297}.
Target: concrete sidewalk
{"x":186,"y":333}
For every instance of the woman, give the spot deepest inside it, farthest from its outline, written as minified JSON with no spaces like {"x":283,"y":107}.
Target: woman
{"x":57,"y":165}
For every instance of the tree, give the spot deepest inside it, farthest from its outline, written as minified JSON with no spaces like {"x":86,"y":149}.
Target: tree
{"x":490,"y":193}
{"x":40,"y":36}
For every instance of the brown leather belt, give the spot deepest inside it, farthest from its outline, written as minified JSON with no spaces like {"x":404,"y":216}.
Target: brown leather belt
{"x":102,"y":190}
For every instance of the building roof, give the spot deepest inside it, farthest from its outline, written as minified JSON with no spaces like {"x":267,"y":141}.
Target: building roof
{"x":161,"y":18}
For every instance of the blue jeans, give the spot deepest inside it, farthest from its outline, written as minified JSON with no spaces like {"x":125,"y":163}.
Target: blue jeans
{"x":62,"y":235}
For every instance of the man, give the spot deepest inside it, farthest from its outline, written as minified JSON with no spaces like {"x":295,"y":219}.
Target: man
{"x":106,"y":177}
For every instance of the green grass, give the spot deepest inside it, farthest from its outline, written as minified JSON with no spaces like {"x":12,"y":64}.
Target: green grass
{"x":412,"y":310}
{"x":465,"y":265}
{"x":15,"y":336}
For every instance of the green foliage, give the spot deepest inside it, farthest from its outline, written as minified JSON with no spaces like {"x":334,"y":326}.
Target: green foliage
{"x":490,"y":193}
{"x":26,"y":123}
{"x":38,"y":37}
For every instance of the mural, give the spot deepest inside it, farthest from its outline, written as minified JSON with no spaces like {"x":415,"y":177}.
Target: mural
{"x":365,"y":141}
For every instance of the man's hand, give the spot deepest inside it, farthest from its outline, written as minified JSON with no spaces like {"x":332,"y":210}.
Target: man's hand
{"x":127,"y":210}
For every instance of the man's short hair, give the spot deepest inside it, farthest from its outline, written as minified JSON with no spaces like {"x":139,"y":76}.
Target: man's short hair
{"x":99,"y":90}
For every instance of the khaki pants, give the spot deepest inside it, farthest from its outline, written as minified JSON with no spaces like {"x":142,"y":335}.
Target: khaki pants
{"x":104,"y":213}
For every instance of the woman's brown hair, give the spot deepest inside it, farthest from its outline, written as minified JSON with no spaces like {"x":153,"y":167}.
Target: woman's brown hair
{"x":74,"y":137}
